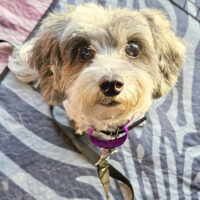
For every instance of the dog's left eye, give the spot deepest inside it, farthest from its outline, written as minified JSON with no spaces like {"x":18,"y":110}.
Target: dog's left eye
{"x":133,"y":49}
{"x":84,"y":53}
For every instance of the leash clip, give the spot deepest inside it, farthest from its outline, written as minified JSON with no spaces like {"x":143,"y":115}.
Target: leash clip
{"x":105,"y":155}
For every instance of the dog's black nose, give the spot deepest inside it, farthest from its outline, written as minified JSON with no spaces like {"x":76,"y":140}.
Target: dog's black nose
{"x":111,"y":88}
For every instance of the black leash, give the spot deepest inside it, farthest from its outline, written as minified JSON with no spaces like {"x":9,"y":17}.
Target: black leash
{"x":93,"y":157}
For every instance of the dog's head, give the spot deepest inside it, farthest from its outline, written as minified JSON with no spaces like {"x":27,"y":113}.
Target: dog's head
{"x":109,"y":63}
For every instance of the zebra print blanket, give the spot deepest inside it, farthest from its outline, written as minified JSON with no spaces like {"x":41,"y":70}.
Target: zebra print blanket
{"x":162,"y":159}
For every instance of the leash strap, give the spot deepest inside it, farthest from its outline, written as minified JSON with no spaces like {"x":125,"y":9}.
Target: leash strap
{"x":93,"y":157}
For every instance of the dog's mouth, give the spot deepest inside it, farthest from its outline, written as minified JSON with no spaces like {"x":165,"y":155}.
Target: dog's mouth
{"x":110,"y":104}
{"x":108,"y":108}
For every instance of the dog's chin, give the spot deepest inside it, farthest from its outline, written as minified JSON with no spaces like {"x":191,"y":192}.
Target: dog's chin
{"x":108,"y":111}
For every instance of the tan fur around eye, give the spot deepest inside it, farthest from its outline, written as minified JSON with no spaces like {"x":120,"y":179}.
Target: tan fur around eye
{"x":44,"y":55}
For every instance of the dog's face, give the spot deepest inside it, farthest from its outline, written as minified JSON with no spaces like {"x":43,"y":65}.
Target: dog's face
{"x":109,"y":64}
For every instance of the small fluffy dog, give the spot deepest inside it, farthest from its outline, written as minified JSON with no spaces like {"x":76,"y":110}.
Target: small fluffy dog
{"x":105,"y":65}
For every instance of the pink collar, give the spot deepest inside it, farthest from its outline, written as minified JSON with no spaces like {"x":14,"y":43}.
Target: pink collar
{"x":110,"y":144}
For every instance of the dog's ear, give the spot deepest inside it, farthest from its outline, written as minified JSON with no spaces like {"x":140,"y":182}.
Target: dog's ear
{"x":45,"y":57}
{"x":170,"y":50}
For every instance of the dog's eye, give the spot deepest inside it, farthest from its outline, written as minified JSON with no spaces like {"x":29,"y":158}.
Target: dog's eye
{"x":133,"y":49}
{"x":84,"y":53}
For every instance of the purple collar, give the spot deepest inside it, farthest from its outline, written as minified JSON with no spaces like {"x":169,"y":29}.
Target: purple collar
{"x":110,"y":144}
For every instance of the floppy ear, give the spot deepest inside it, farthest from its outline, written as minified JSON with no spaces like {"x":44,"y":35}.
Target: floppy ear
{"x":170,"y":50}
{"x":45,"y":57}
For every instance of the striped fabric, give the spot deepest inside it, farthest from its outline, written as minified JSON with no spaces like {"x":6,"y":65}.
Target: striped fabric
{"x":162,"y":159}
{"x":17,"y":19}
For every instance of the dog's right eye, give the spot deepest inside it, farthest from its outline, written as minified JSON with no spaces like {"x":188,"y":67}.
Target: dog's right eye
{"x":84,"y":53}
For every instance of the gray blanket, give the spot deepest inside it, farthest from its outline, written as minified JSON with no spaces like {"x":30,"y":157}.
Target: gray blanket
{"x":161,"y":159}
